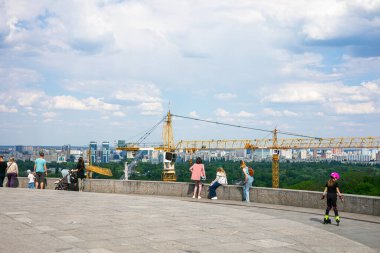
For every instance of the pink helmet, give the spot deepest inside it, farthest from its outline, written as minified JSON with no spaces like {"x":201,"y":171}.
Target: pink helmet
{"x":335,"y":175}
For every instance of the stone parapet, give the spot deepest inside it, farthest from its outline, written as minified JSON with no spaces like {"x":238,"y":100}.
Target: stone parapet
{"x":352,"y":203}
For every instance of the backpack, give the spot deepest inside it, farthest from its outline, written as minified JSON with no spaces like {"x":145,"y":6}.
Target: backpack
{"x":251,"y":171}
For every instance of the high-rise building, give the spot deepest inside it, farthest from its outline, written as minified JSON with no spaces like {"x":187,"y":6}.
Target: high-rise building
{"x":93,"y":149}
{"x":19,"y":148}
{"x":105,"y":152}
{"x":66,"y":151}
{"x":120,"y":143}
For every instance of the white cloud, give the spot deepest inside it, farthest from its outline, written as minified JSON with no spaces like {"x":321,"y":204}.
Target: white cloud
{"x":118,"y":114}
{"x":98,"y":104}
{"x":358,"y":108}
{"x":4,"y":108}
{"x":225,"y":96}
{"x":308,"y":66}
{"x":298,"y":93}
{"x":154,"y":108}
{"x":49,"y":114}
{"x":222,"y":113}
{"x":116,"y":57}
{"x":274,"y":113}
{"x":290,"y":113}
{"x":320,"y":114}
{"x":194,"y":114}
{"x":244,"y":114}
{"x":13,"y":78}
{"x":29,"y":97}
{"x":73,"y":103}
{"x":68,"y":102}
{"x":139,"y":93}
{"x":342,"y":99}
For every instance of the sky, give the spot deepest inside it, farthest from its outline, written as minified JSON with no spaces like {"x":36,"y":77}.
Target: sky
{"x":72,"y":72}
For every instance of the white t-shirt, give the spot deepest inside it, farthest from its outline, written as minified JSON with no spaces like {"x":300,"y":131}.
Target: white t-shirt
{"x":31,"y":178}
{"x":221,"y":178}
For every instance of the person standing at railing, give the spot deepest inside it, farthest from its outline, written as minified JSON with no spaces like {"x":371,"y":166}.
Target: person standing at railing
{"x":31,"y":178}
{"x":80,"y":173}
{"x":248,"y":180}
{"x":198,"y":173}
{"x":3,"y":170}
{"x":12,"y":172}
{"x":40,"y":170}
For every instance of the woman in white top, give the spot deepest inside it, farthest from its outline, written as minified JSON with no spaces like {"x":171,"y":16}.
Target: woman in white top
{"x":221,"y":179}
{"x":12,"y":172}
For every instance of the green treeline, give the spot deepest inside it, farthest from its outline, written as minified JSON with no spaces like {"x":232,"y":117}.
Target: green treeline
{"x":355,"y":178}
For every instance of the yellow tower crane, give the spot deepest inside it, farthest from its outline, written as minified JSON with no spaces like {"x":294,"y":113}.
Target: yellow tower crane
{"x":276,"y":145}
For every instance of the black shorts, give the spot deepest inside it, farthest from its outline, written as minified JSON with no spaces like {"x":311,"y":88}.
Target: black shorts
{"x":40,"y":176}
{"x":331,"y":200}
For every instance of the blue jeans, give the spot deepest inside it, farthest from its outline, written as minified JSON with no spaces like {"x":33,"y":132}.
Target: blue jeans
{"x":31,"y":185}
{"x":212,"y":189}
{"x":246,"y":187}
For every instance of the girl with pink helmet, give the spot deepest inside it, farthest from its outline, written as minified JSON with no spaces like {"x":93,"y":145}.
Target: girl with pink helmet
{"x":332,"y":191}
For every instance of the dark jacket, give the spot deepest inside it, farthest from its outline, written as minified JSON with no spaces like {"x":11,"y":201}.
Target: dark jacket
{"x":80,"y":168}
{"x":3,"y":168}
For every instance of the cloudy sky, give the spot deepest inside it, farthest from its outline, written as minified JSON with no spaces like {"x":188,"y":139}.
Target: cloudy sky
{"x":77,"y":71}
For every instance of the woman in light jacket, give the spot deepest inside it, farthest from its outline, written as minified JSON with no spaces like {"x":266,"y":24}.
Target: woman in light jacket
{"x":197,"y":171}
{"x":12,"y":172}
{"x":221,"y":179}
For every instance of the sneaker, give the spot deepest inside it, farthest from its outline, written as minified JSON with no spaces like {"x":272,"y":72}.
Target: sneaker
{"x":214,"y":198}
{"x":199,"y":197}
{"x":193,"y":197}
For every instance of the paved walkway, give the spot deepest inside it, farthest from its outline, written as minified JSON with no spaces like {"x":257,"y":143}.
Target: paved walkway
{"x":61,"y":221}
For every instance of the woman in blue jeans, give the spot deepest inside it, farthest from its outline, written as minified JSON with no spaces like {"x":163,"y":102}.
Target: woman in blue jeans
{"x":248,"y":180}
{"x":221,"y":179}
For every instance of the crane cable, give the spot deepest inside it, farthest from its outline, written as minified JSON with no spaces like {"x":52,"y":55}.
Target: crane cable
{"x":142,"y":138}
{"x":245,"y":127}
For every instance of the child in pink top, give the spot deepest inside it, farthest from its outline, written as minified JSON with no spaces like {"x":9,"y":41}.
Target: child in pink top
{"x":197,"y":171}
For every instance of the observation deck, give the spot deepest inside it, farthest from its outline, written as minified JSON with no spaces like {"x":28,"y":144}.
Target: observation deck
{"x":63,"y":221}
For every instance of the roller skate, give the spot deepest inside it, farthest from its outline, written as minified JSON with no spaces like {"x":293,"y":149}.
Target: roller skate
{"x":326,"y":220}
{"x":337,"y":219}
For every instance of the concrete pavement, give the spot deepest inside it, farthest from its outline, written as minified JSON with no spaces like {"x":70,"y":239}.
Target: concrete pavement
{"x":61,"y":221}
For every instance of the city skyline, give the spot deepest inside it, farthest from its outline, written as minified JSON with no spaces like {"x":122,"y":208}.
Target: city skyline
{"x":75,"y":72}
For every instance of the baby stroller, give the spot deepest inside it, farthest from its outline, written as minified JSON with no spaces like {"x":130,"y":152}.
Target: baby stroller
{"x":68,"y":182}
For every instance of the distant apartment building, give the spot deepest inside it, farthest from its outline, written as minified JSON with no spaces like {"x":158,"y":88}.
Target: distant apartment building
{"x":93,"y":153}
{"x":76,"y":153}
{"x":120,"y":143}
{"x":302,"y":154}
{"x":66,"y":151}
{"x":19,"y":148}
{"x":105,"y":152}
{"x":337,"y":151}
{"x":262,"y":154}
{"x":286,"y":153}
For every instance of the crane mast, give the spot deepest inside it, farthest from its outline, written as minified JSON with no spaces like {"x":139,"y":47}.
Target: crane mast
{"x":168,"y":173}
{"x":275,"y":162}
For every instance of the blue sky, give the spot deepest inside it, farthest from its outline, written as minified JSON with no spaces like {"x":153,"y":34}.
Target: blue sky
{"x":78,"y":71}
